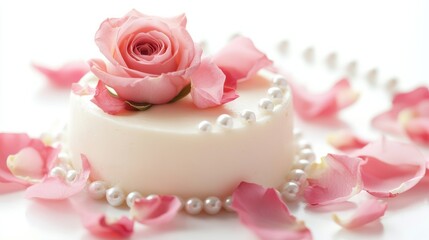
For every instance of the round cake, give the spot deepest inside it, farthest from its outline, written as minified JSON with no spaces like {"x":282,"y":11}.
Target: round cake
{"x":182,"y":150}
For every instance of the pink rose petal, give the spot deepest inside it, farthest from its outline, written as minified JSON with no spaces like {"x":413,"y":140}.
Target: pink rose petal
{"x":390,"y":168}
{"x":310,"y":105}
{"x":66,"y":75}
{"x":36,"y":164}
{"x":335,"y":179}
{"x":82,"y":90}
{"x":108,"y":103}
{"x":368,"y":211}
{"x":156,"y":210}
{"x":345,"y":140}
{"x":98,"y":223}
{"x":263,"y":212}
{"x":207,"y":85}
{"x":240,"y":59}
{"x":54,"y":188}
{"x":418,"y":130}
{"x":11,"y":187}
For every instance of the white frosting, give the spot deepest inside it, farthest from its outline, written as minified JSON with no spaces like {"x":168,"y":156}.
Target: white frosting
{"x":163,"y":150}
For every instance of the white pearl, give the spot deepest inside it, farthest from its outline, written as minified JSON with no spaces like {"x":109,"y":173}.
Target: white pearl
{"x":266,"y":105}
{"x":297,"y":133}
{"x":115,"y":196}
{"x":290,"y":191}
{"x":64,"y":157}
{"x":71,"y":176}
{"x":225,"y":121}
{"x":205,"y":126}
{"x":309,"y":54}
{"x":301,"y":164}
{"x":227,"y":204}
{"x":194,"y":206}
{"x":212,"y":205}
{"x":97,"y":189}
{"x":302,"y":144}
{"x":275,"y":94}
{"x":58,"y":172}
{"x":351,"y":68}
{"x":280,"y":81}
{"x":308,"y":154}
{"x":248,"y":116}
{"x":132,"y":197}
{"x":297,"y":175}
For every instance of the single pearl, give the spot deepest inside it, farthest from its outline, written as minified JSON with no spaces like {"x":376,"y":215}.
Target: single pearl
{"x":248,"y":116}
{"x":132,"y":197}
{"x":205,"y":126}
{"x":308,"y":154}
{"x":301,"y":164}
{"x":71,"y":176}
{"x":351,"y":68}
{"x":280,"y":81}
{"x":227,"y":204}
{"x":194,"y":206}
{"x":58,"y":172}
{"x":290,"y":191}
{"x":302,"y":144}
{"x":115,"y":196}
{"x":371,"y":76}
{"x":212,"y":205}
{"x":225,"y":121}
{"x":331,"y":60}
{"x":297,"y":133}
{"x":266,"y":105}
{"x":275,"y":94}
{"x":309,"y":54}
{"x":97,"y":189}
{"x":283,"y":47}
{"x":297,"y":175}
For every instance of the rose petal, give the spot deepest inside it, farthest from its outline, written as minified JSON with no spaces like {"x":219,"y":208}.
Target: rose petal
{"x":240,"y":59}
{"x":54,"y":188}
{"x":335,"y":179}
{"x":314,"y":105}
{"x":368,"y":211}
{"x":263,"y":212}
{"x":108,"y":103}
{"x":11,"y":187}
{"x":390,"y":168}
{"x":345,"y":140}
{"x":66,"y":75}
{"x":98,"y":223}
{"x":13,"y":143}
{"x":411,"y":98}
{"x":156,"y":210}
{"x":418,"y":130}
{"x":207,"y":85}
{"x":82,"y":90}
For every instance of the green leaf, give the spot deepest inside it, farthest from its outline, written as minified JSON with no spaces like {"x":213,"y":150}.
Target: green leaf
{"x":185,"y":91}
{"x":139,"y":106}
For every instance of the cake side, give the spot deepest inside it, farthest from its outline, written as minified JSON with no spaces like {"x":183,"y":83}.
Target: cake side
{"x":163,"y":151}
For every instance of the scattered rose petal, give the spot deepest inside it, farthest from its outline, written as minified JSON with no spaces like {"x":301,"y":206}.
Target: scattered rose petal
{"x":82,"y":90}
{"x":108,"y":103}
{"x":313,"y":105}
{"x":263,"y":212}
{"x":156,"y":210}
{"x":66,"y":75}
{"x":55,"y":188}
{"x":368,"y":211}
{"x":207,"y":85}
{"x":335,"y":179}
{"x":11,"y":187}
{"x":345,"y":140}
{"x":24,"y":160}
{"x":409,"y":112}
{"x":390,"y":168}
{"x":98,"y":223}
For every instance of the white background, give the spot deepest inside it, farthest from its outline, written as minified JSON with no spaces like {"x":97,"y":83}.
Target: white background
{"x":391,"y":36}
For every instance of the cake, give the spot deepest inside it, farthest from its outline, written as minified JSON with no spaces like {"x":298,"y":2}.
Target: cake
{"x":190,"y":148}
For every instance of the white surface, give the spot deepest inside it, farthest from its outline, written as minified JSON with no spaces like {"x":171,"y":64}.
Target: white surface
{"x":391,"y":36}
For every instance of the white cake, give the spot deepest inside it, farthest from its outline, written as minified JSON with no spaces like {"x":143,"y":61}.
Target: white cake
{"x":169,"y":149}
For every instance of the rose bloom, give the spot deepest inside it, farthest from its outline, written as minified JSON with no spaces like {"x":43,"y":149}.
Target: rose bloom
{"x":150,"y":59}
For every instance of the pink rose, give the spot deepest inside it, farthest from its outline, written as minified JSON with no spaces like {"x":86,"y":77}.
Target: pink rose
{"x":150,"y":59}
